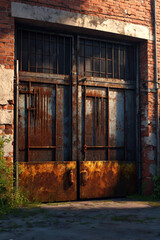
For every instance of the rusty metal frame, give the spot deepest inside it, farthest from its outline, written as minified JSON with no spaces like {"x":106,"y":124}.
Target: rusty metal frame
{"x":16,"y":146}
{"x":125,"y":130}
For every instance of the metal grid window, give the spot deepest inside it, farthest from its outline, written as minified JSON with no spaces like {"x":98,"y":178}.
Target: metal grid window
{"x":44,"y":53}
{"x":107,"y":60}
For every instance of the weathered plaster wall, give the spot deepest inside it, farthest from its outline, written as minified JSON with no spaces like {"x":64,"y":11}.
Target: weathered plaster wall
{"x":6,"y":76}
{"x":6,"y":86}
{"x":6,"y":108}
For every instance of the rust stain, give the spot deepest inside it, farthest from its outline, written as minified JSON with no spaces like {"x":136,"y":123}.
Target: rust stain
{"x":107,"y":179}
{"x":48,"y":182}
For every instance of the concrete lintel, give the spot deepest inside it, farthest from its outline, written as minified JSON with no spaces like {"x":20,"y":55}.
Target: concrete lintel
{"x":25,"y":11}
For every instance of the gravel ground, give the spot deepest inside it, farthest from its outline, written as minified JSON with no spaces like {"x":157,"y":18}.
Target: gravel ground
{"x":85,"y":220}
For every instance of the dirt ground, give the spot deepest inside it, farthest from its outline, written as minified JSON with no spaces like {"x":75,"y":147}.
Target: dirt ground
{"x":85,"y":220}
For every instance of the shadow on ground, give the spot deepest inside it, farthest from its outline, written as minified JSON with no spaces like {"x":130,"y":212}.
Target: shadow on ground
{"x":85,"y":220}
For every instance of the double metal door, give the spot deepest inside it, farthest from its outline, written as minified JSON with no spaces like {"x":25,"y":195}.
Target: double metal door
{"x":76,"y":136}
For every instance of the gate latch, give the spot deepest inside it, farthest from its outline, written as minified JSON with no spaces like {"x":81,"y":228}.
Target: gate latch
{"x":70,"y":177}
{"x":84,"y":177}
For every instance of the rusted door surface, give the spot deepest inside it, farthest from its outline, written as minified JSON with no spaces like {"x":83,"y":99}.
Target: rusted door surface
{"x":108,"y":127}
{"x":44,"y":137}
{"x":45,"y":124}
{"x":77,"y":120}
{"x":109,"y":167}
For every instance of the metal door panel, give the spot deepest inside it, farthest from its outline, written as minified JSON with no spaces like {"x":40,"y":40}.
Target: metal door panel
{"x":63,"y":123}
{"x":48,"y":172}
{"x":22,"y":128}
{"x":94,"y":130}
{"x":107,"y":171}
{"x":130,"y":125}
{"x":44,"y":133}
{"x":116,"y":124}
{"x":101,"y":179}
{"x":49,"y":181}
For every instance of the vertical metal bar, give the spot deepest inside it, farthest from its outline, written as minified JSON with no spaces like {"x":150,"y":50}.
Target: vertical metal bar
{"x":44,"y":113}
{"x":119,"y":60}
{"x":75,"y":67}
{"x":21,"y":52}
{"x":106,"y":60}
{"x":125,"y":132}
{"x":102,"y":114}
{"x":124,"y":62}
{"x":42,"y":37}
{"x":56,"y":125}
{"x":29,"y":51}
{"x":112,"y":60}
{"x":95,"y":120}
{"x":108,"y":126}
{"x":64,"y":56}
{"x":100,"y":59}
{"x":74,"y":80}
{"x":28,"y":142}
{"x":41,"y":114}
{"x":34,"y":106}
{"x":57,"y":57}
{"x":85,"y":122}
{"x":93,"y":60}
{"x":47,"y":111}
{"x":38,"y":103}
{"x":16,"y":123}
{"x":84,"y":57}
{"x":29,"y":95}
{"x":49,"y":53}
{"x":36,"y":50}
{"x":138,"y":123}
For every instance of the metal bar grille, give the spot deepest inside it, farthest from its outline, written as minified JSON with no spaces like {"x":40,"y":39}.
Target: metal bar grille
{"x":44,"y":53}
{"x":102,"y":59}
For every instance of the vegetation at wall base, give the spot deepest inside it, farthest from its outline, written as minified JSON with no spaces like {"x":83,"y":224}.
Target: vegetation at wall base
{"x":10,"y":197}
{"x":156,"y":191}
{"x":156,"y":181}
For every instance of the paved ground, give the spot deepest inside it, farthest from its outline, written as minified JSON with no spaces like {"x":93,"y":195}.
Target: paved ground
{"x":86,"y":220}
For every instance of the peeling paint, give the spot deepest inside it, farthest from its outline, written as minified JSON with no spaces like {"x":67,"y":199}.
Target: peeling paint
{"x":6,"y":86}
{"x":6,"y":117}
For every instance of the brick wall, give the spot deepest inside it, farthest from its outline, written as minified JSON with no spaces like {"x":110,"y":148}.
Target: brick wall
{"x":132,"y":11}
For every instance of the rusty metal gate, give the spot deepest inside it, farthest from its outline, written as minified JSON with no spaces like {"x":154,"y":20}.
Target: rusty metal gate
{"x":77,"y":121}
